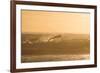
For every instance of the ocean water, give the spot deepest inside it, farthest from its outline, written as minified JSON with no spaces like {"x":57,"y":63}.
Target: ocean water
{"x":44,"y":58}
{"x":39,"y":47}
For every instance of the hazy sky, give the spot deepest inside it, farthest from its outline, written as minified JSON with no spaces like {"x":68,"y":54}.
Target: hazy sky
{"x":59,"y":22}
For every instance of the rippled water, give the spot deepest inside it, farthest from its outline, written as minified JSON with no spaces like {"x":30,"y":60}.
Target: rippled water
{"x":43,"y":58}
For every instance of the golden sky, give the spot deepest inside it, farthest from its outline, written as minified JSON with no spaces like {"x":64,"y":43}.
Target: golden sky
{"x":55,"y":22}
